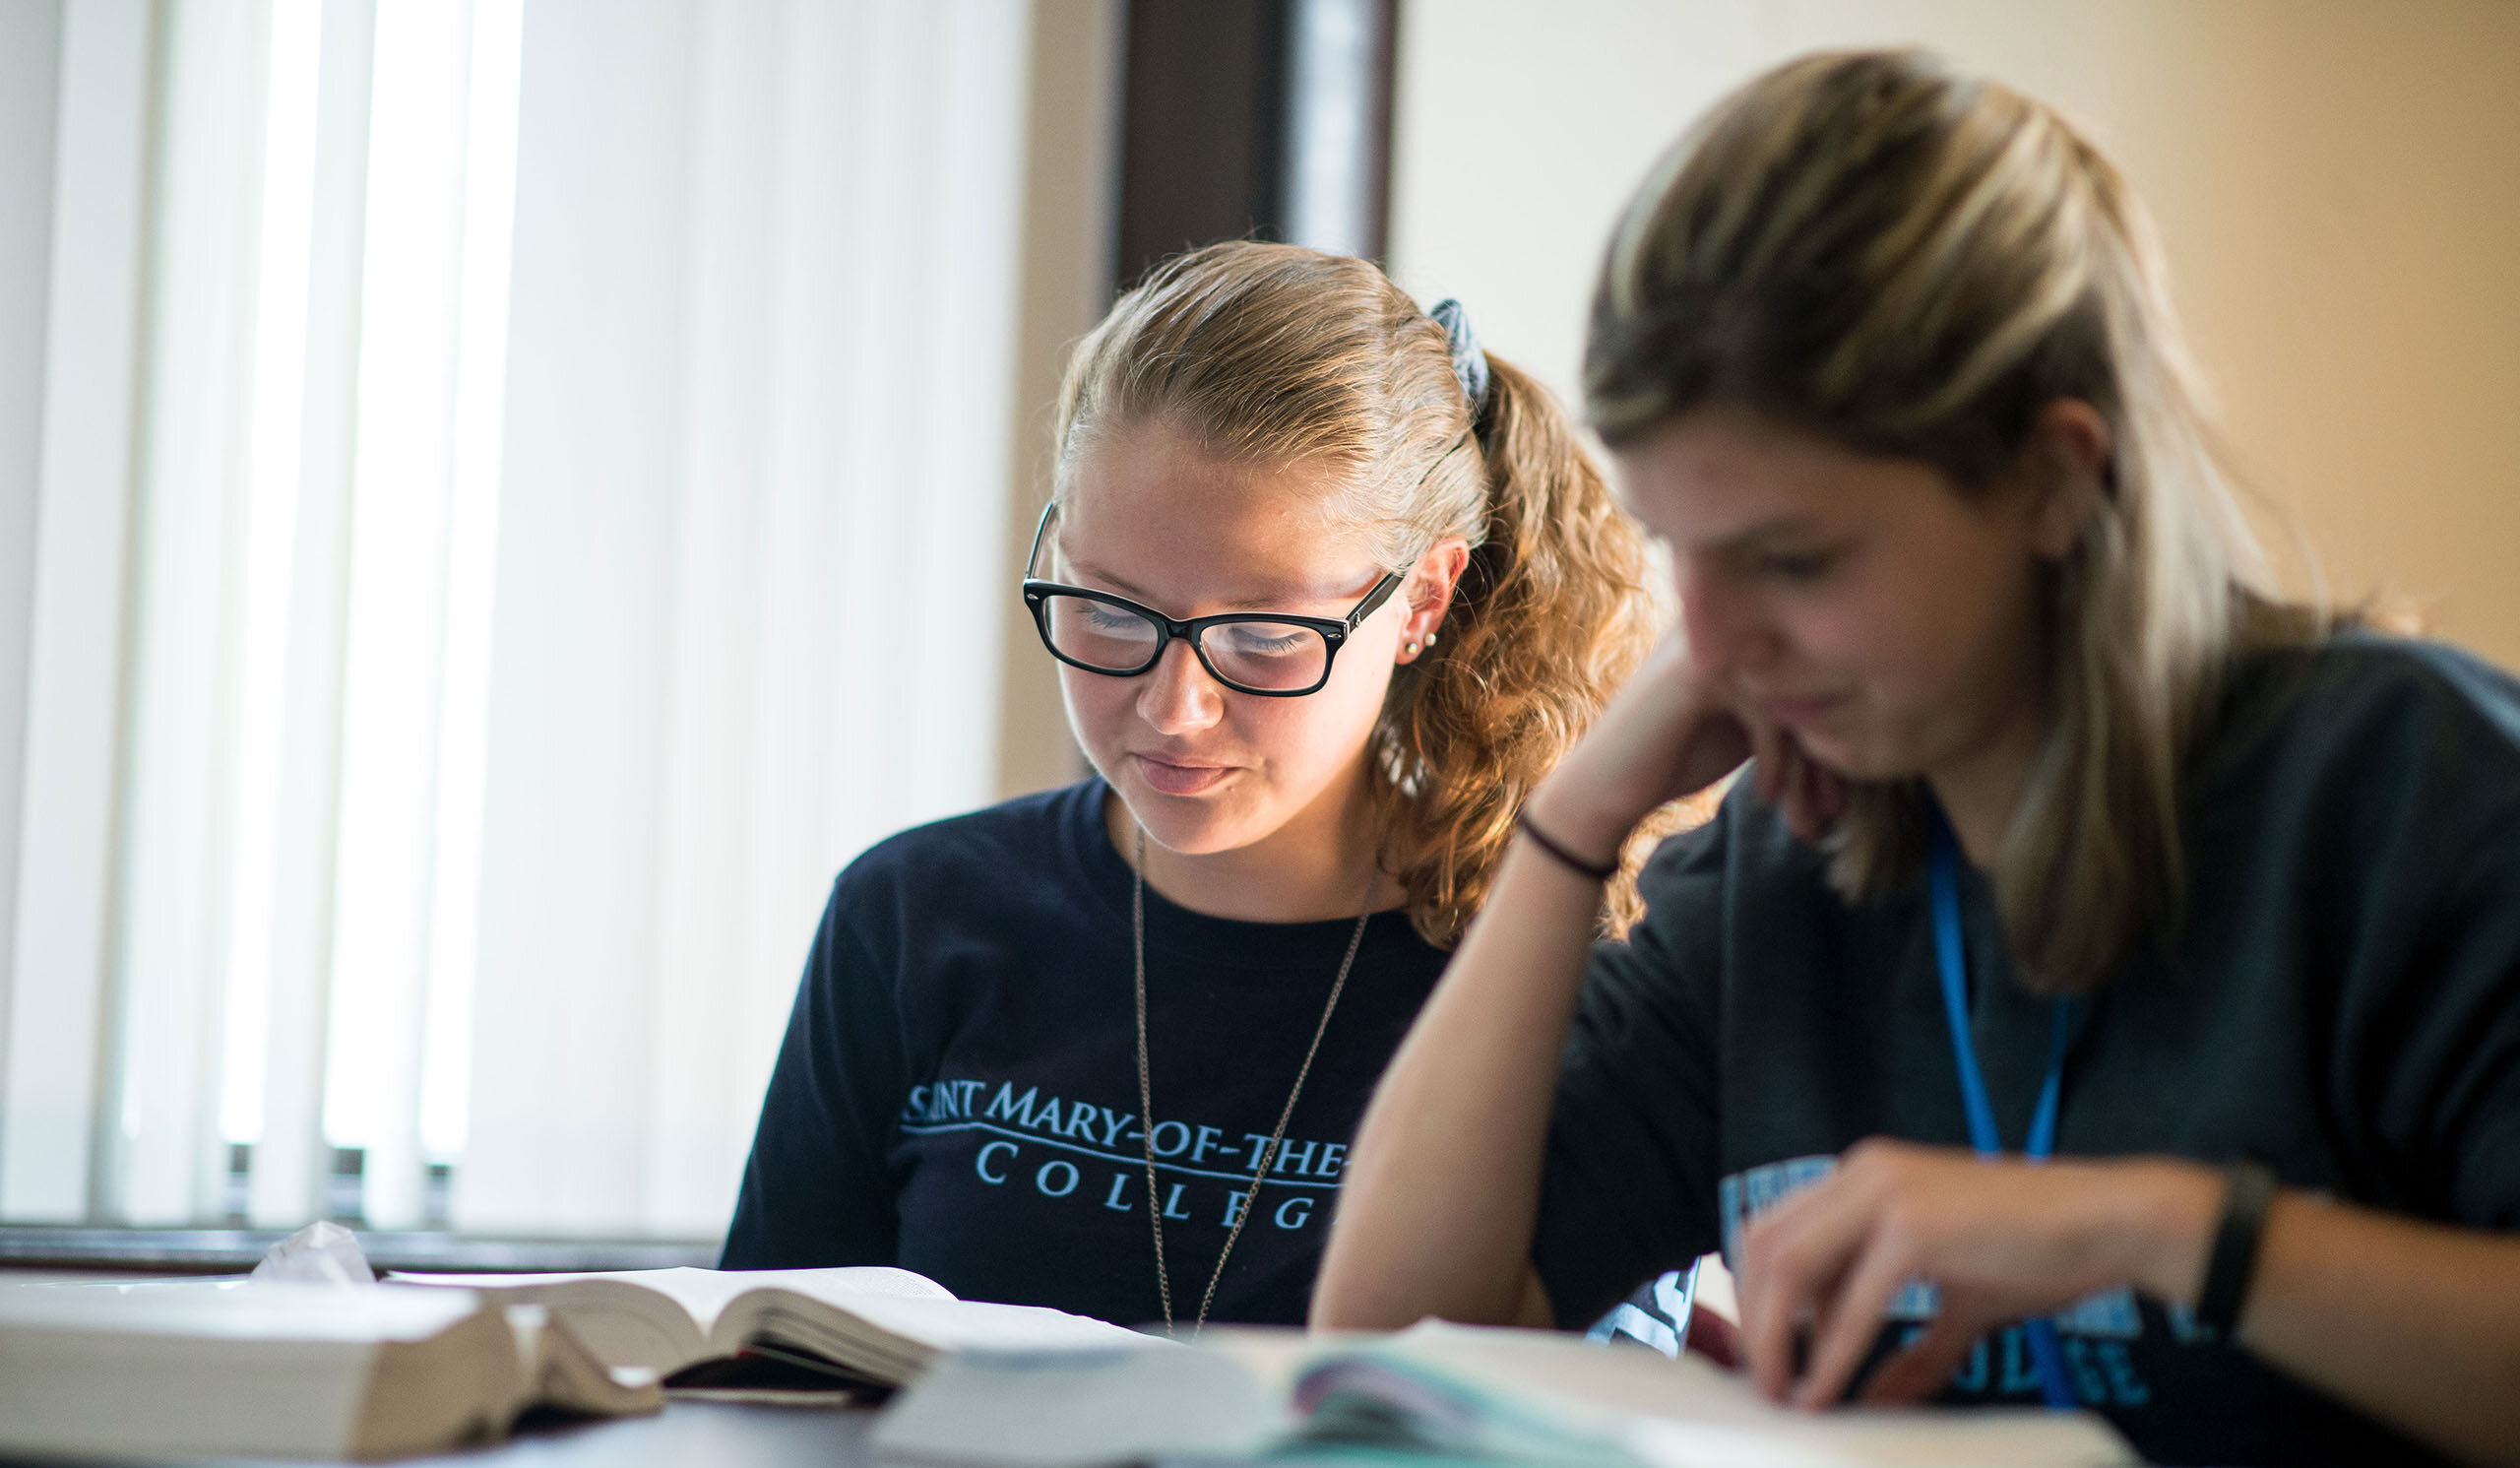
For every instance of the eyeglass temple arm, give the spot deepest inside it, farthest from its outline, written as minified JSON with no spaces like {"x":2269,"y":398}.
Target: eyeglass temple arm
{"x":1382,"y":592}
{"x":1033,"y":555}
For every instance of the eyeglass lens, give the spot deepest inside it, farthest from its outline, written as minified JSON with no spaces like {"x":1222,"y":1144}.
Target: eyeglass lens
{"x":1257,"y":654}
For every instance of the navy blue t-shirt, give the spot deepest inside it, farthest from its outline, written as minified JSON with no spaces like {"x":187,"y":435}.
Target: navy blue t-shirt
{"x":957,"y":1091}
{"x":2341,"y":1002}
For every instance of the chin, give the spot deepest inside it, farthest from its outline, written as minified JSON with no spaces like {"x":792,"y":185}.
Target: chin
{"x":1192,"y":825}
{"x":1857,"y":760}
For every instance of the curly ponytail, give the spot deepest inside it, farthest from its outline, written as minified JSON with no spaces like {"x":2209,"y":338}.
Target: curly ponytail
{"x":1279,"y":354}
{"x":1550,"y":618}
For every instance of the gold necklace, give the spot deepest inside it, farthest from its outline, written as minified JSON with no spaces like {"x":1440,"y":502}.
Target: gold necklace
{"x":1146,"y":1097}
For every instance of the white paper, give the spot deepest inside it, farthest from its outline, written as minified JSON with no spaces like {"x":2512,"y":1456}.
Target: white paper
{"x":1071,"y":1408}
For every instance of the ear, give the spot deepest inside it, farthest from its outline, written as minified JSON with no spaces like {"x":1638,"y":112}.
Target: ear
{"x":1428,"y":593}
{"x":2066,"y":465}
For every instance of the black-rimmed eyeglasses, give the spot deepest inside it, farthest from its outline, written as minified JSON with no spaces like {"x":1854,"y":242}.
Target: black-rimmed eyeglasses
{"x":1275,"y":655}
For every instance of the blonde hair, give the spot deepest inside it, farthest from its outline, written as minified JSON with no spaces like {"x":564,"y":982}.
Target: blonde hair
{"x":1275,"y":355}
{"x":1880,"y":251}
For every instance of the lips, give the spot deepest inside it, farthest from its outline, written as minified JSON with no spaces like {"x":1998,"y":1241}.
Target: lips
{"x":1180,"y":777}
{"x":1800,"y":710}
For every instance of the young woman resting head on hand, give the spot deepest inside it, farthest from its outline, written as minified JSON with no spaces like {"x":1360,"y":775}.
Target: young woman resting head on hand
{"x":1330,"y":589}
{"x":2064,"y":837}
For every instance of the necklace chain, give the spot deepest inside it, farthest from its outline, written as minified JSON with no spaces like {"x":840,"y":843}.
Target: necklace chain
{"x":1146,"y":1098}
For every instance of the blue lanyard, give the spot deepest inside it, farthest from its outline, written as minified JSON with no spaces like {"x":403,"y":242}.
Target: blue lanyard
{"x":1952,"y":956}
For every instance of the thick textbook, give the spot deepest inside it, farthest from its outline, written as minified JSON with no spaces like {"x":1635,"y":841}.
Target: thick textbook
{"x":1532,"y":1397}
{"x":869,"y":1325}
{"x":282,"y":1370}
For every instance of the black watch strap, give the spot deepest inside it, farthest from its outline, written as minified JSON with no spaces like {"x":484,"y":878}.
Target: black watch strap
{"x":2248,"y":1189}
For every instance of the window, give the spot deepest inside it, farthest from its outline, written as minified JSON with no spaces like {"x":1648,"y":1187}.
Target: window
{"x":441,"y":728}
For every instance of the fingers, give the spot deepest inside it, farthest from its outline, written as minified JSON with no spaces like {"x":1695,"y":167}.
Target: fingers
{"x":1790,"y":768}
{"x":1851,"y":1319}
{"x":1793,"y":1260}
{"x":2004,"y":1240}
{"x":1830,"y":790}
{"x":1770,"y":1310}
{"x":1663,"y":737}
{"x":1810,"y":796}
{"x":1802,"y":799}
{"x":1921,"y":1368}
{"x":1716,"y":1338}
{"x":1767,"y":756}
{"x":1718,"y":745}
{"x":1770,"y":1313}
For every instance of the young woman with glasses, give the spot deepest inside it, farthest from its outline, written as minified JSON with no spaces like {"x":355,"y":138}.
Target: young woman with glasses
{"x":2106,"y":992}
{"x":1329,"y":587}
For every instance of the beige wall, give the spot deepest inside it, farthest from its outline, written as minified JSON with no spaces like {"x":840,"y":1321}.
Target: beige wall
{"x":1067,"y":281}
{"x":2338,"y":181}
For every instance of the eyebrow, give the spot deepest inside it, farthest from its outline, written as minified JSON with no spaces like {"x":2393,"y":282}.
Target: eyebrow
{"x":1779,"y":527}
{"x":1136,"y":593}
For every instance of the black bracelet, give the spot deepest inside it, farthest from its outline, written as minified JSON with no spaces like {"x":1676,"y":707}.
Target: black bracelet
{"x":2248,"y":1188}
{"x":1574,"y":862}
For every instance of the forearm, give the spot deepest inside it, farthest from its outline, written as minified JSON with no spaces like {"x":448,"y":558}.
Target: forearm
{"x":1436,"y":1215}
{"x":2416,"y":1323}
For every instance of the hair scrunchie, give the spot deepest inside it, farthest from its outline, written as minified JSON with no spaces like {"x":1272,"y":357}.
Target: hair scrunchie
{"x":1469,"y":359}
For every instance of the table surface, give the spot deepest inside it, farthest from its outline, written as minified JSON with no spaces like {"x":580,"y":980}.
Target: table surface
{"x":686,"y":1434}
{"x":181,"y":1252}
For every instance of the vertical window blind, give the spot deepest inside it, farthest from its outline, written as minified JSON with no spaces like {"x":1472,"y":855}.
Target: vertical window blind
{"x":518,"y":500}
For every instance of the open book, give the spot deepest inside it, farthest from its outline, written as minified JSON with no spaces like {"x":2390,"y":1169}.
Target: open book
{"x":870,"y":1325}
{"x":282,"y":1370}
{"x":1532,"y":1397}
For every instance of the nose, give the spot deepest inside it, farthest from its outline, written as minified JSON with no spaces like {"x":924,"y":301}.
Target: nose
{"x":1726,"y":628}
{"x":1176,"y":695}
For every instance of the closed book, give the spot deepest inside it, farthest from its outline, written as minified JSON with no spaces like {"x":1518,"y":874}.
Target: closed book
{"x":284,"y":1369}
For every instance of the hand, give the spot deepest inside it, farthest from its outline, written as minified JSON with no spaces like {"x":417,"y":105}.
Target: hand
{"x":2002,"y":1240}
{"x":1811,"y":793}
{"x":1666,"y":737}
